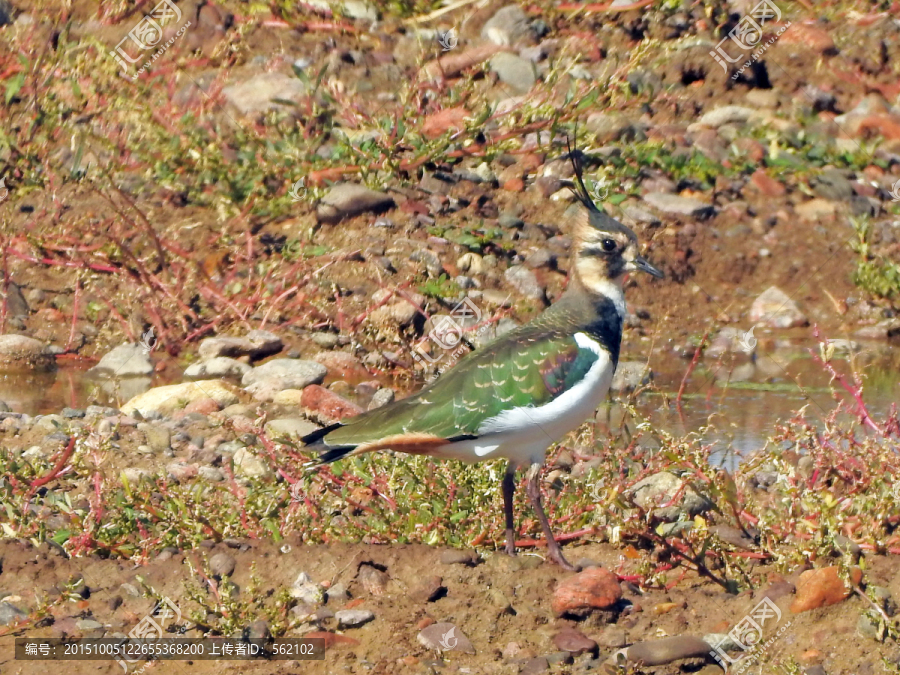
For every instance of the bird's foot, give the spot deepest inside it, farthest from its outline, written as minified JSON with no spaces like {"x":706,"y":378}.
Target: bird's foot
{"x":511,"y":543}
{"x":555,"y":554}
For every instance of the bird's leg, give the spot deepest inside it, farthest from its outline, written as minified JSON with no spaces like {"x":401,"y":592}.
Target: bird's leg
{"x":509,"y":487}
{"x":534,"y":493}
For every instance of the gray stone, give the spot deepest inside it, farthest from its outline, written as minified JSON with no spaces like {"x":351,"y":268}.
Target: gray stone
{"x":167,"y":399}
{"x":289,"y":426}
{"x":609,"y":126}
{"x":158,"y":437}
{"x":661,"y":488}
{"x":679,"y":206}
{"x":345,"y":200}
{"x":16,"y":305}
{"x":305,"y":590}
{"x":776,"y":309}
{"x":514,"y":71}
{"x":352,"y":618}
{"x":126,"y":360}
{"x":630,"y":375}
{"x":381,"y":398}
{"x":9,"y":613}
{"x":639,"y":215}
{"x":287,"y":373}
{"x":255,"y":344}
{"x":86,"y":625}
{"x":525,"y":282}
{"x":667,"y":650}
{"x":445,"y":637}
{"x":220,"y":366}
{"x":832,"y":184}
{"x":256,"y":94}
{"x":508,"y":26}
{"x":222,"y":564}
{"x":211,"y":474}
{"x":729,"y":114}
{"x":19,"y":352}
{"x":870,"y":628}
{"x":356,"y":9}
{"x":249,"y":465}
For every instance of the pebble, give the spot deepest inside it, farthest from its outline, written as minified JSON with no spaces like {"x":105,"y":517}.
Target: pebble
{"x":514,"y":71}
{"x":222,"y":564}
{"x":373,"y":580}
{"x":679,"y":206}
{"x":126,"y":360}
{"x":9,"y":613}
{"x":278,"y":374}
{"x":342,"y":365}
{"x":445,"y":637}
{"x":630,"y":375}
{"x":525,"y":282}
{"x":822,"y":587}
{"x":429,"y":589}
{"x":256,"y":344}
{"x":167,"y":399}
{"x":258,"y":630}
{"x":535,"y":666}
{"x":574,"y":641}
{"x":289,"y":426}
{"x":220,"y":366}
{"x":305,"y":590}
{"x":508,"y":26}
{"x":352,"y":618}
{"x":250,"y":465}
{"x":346,"y":200}
{"x":381,"y":398}
{"x":256,"y":94}
{"x":158,"y":437}
{"x":661,"y":488}
{"x":728,"y":114}
{"x":816,"y":210}
{"x":776,"y":309}
{"x":327,"y":404}
{"x":609,"y":126}
{"x":667,"y":650}
{"x":594,"y":588}
{"x":458,"y":557}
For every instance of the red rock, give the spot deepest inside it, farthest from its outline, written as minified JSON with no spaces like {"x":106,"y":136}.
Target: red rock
{"x":514,"y":185}
{"x":767,"y":185}
{"x":328,"y":404}
{"x":452,"y":64}
{"x":343,"y":365}
{"x":808,"y":34}
{"x":880,"y":125}
{"x":595,"y":588}
{"x":443,"y":121}
{"x":822,"y":587}
{"x":332,"y":639}
{"x":205,"y":406}
{"x":573,"y":641}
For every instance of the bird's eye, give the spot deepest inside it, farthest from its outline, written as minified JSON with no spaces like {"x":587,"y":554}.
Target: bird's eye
{"x":608,"y":245}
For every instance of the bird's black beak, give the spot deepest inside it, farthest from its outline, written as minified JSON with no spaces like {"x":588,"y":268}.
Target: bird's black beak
{"x":641,"y":264}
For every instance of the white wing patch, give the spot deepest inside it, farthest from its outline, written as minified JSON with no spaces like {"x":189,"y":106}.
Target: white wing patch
{"x":552,"y":421}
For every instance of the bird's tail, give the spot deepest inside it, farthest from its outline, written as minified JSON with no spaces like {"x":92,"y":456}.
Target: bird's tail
{"x":327,"y":454}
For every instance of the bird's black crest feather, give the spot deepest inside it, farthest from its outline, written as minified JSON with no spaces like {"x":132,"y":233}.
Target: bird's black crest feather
{"x":581,"y":192}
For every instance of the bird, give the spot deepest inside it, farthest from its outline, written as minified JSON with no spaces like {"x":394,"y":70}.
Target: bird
{"x":519,"y":394}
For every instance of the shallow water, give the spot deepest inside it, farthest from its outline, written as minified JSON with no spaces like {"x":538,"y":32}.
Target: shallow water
{"x":735,"y":400}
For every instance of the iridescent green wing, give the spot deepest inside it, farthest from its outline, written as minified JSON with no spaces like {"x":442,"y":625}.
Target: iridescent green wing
{"x":526,"y":370}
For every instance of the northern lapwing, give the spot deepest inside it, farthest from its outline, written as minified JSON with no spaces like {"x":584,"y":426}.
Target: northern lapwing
{"x":521,"y":393}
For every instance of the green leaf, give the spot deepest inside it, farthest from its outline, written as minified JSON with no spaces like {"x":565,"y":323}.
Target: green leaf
{"x":61,"y":536}
{"x":13,"y":86}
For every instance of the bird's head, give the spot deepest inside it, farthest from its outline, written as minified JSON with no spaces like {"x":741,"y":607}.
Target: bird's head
{"x":604,"y":249}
